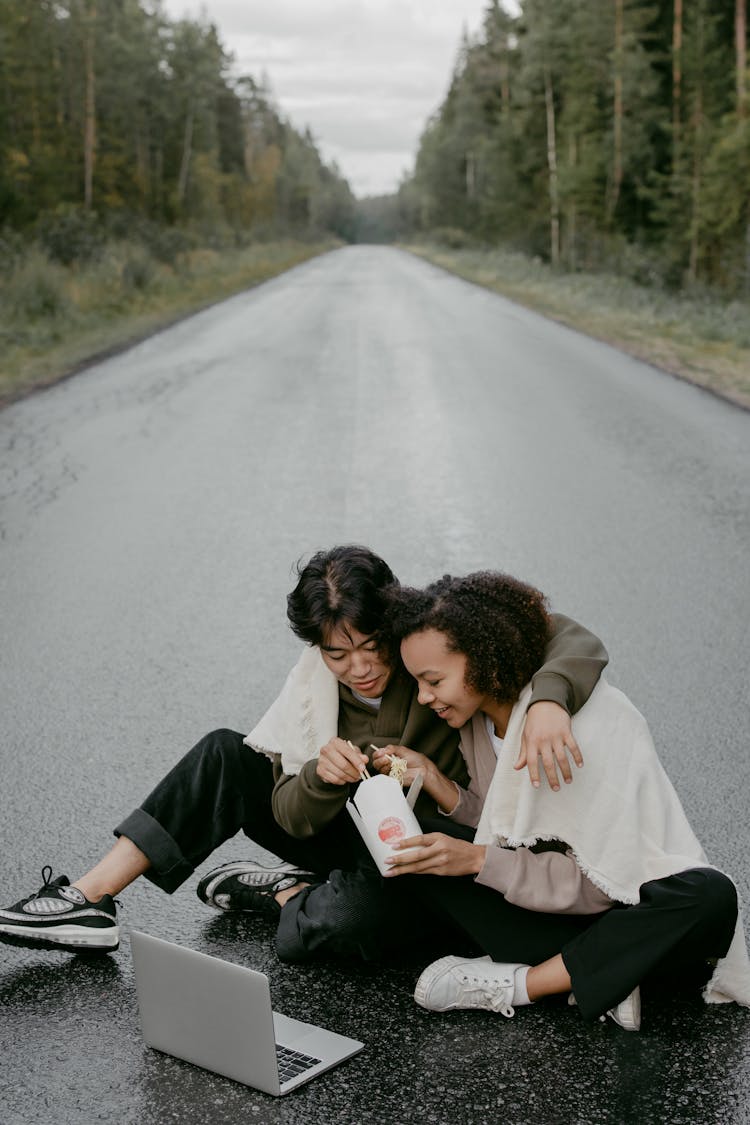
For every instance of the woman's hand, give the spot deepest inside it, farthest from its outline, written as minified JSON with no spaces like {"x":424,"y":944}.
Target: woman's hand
{"x":434,"y":782}
{"x":382,"y":756}
{"x":547,"y":733}
{"x":340,"y":763}
{"x":436,"y":854}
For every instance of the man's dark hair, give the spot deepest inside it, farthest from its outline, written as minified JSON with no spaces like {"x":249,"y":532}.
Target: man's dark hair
{"x":500,"y":624}
{"x":342,"y":587}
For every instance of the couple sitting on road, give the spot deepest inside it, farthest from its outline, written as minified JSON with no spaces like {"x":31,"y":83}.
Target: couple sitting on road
{"x":592,"y":891}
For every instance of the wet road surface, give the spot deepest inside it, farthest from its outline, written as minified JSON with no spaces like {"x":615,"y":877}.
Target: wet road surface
{"x":151,"y":510}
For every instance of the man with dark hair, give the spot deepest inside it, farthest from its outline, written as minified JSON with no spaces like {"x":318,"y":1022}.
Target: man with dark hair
{"x":285,"y":785}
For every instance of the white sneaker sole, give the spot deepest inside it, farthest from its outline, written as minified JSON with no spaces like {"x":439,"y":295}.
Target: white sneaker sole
{"x":81,"y":937}
{"x":627,"y":1014}
{"x":431,"y":974}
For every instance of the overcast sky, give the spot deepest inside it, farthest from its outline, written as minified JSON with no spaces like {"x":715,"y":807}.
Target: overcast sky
{"x":363,"y":74}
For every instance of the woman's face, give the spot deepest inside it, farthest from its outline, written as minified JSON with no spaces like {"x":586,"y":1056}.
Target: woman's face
{"x":440,"y":677}
{"x":355,"y":661}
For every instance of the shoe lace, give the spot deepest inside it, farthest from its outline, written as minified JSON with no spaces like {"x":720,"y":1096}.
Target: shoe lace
{"x":494,"y":991}
{"x":46,"y":882}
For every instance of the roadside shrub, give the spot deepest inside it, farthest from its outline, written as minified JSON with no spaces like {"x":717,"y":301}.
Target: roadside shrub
{"x":37,"y":289}
{"x":165,"y":243}
{"x":13,"y":246}
{"x":70,"y":234}
{"x":719,"y":321}
{"x":452,"y":237}
{"x":169,"y":244}
{"x":138,"y":270}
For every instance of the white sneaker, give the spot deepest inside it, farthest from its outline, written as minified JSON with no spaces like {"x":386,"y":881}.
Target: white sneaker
{"x":628,"y":1012}
{"x":455,"y":982}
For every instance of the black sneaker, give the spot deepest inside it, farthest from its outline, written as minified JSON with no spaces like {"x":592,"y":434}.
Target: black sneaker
{"x":59,"y":916}
{"x":244,"y":885}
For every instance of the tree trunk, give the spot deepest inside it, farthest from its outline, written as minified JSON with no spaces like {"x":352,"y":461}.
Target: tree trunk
{"x":505,"y":80}
{"x":614,"y":194}
{"x":676,"y":79}
{"x":142,"y":163}
{"x":697,"y":168}
{"x":158,"y":182}
{"x":471,"y":175}
{"x":572,"y":215}
{"x":554,"y":195}
{"x":89,"y":127}
{"x":740,"y":40}
{"x":187,"y":147}
{"x":695,"y":191}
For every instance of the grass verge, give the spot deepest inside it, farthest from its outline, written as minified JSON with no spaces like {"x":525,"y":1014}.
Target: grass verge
{"x":54,"y":320}
{"x":698,"y":338}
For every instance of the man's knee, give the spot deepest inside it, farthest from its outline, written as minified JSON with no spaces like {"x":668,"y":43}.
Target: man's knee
{"x":220,"y":742}
{"x":220,"y":753}
{"x":345,"y":915}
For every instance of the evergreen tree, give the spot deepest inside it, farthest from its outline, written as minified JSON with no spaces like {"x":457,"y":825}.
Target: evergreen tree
{"x":108,"y":107}
{"x":598,"y":133}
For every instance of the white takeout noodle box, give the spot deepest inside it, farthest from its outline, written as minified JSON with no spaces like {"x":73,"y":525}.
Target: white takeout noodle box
{"x":384,"y":816}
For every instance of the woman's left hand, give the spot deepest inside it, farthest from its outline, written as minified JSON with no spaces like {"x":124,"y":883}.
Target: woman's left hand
{"x":436,"y":854}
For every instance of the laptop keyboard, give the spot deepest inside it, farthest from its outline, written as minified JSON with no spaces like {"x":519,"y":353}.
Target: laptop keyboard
{"x":292,"y":1063}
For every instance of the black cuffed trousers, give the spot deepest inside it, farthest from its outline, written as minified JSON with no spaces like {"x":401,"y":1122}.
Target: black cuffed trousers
{"x":222,"y":787}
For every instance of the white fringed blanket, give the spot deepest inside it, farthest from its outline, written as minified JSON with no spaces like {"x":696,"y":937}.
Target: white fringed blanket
{"x":303,"y":718}
{"x":621,"y":815}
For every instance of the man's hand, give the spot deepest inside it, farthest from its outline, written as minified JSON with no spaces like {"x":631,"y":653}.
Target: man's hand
{"x":340,"y":763}
{"x":547,"y":733}
{"x":436,"y":854}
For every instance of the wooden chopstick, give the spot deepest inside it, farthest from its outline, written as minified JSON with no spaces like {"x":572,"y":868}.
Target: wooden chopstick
{"x":374,"y":747}
{"x":363,"y":773}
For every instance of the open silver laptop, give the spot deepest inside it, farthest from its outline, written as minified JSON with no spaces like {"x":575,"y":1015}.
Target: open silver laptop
{"x":218,"y":1015}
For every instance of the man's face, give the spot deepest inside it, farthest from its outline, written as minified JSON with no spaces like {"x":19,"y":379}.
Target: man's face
{"x":355,"y":661}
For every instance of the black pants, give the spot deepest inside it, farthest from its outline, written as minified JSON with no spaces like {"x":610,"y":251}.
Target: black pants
{"x":222,"y":787}
{"x":681,"y":924}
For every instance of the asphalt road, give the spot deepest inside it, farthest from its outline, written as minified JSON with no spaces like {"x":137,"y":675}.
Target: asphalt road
{"x":152,"y":508}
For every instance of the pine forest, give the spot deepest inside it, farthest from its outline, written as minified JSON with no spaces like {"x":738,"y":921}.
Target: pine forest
{"x":142,"y":176}
{"x":599,"y":133}
{"x":111,"y":110}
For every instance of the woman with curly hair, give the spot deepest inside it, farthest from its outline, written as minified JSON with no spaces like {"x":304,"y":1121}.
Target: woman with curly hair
{"x":593,"y":892}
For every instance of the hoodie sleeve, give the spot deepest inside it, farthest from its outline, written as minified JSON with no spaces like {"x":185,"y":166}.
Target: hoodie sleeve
{"x":302,"y":803}
{"x":573,"y":662}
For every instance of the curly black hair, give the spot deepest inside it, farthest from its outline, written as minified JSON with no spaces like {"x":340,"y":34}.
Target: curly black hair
{"x":499,"y":623}
{"x":341,"y":587}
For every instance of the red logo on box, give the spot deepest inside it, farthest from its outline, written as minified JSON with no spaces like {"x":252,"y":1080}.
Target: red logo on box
{"x":391,"y":829}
